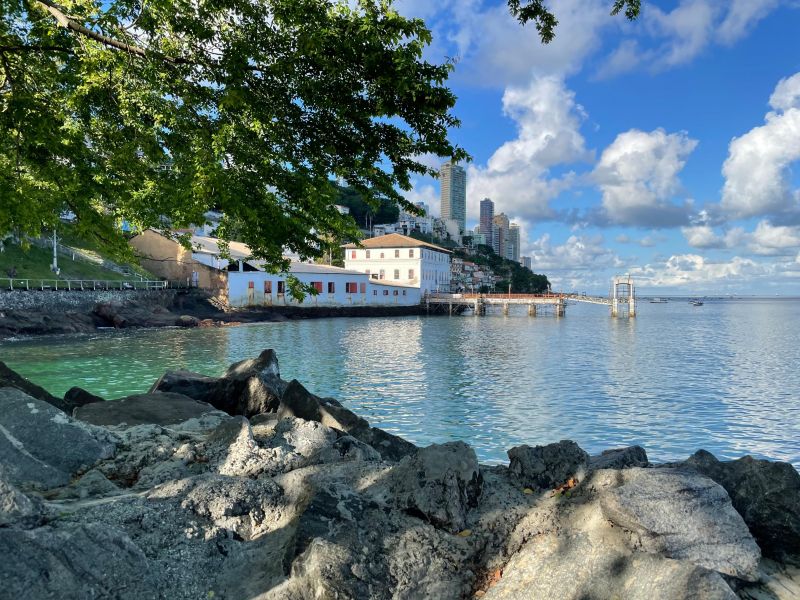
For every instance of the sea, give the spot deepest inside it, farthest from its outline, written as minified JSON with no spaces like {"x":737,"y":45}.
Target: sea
{"x":724,"y":376}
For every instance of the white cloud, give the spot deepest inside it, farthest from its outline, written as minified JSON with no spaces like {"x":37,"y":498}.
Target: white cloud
{"x":638,"y":175}
{"x":757,"y":177}
{"x":702,"y":236}
{"x":768,"y":239}
{"x":742,"y":16}
{"x":578,"y":252}
{"x":515,"y":177}
{"x":427,"y":193}
{"x":695,"y":271}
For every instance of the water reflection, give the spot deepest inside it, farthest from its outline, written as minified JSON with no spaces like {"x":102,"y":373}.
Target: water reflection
{"x":675,"y":379}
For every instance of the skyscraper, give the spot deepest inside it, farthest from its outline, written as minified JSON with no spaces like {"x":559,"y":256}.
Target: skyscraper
{"x":499,"y":243}
{"x":513,"y":237}
{"x":487,"y":215}
{"x":453,"y":180}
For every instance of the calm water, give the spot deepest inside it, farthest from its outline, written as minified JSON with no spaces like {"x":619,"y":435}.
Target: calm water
{"x":725,"y":376}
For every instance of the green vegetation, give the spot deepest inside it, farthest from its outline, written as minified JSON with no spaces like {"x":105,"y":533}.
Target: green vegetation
{"x":424,"y":237}
{"x":536,"y":12}
{"x":34,"y":263}
{"x":365,"y":214}
{"x":522,"y":279}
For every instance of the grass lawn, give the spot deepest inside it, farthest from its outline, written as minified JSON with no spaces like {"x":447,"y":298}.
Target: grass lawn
{"x":34,"y":263}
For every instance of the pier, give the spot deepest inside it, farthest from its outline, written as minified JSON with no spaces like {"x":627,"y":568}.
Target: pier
{"x":621,"y":301}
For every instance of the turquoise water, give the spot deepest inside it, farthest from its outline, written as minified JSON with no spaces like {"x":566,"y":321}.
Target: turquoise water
{"x":724,"y":376}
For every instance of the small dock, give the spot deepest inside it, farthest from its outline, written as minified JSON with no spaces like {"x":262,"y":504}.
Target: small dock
{"x":621,"y":300}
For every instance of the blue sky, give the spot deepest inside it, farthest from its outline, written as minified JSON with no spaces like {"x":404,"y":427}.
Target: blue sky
{"x":668,"y":148}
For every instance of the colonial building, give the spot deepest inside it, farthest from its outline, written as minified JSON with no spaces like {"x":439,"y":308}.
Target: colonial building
{"x":403,"y":260}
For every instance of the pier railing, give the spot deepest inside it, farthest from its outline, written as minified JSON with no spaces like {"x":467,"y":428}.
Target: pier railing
{"x":78,"y":285}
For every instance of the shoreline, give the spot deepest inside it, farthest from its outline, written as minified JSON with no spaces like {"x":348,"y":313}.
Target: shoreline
{"x":250,"y":486}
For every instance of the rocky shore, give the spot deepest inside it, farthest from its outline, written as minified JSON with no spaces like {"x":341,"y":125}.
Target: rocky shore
{"x":247,"y":486}
{"x":191,"y":308}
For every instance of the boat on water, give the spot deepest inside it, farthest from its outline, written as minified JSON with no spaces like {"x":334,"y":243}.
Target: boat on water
{"x":696,"y":302}
{"x":658,"y":300}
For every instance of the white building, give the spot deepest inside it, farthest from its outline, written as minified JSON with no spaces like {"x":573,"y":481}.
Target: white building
{"x":401,"y":260}
{"x":453,"y":187}
{"x":336,"y":287}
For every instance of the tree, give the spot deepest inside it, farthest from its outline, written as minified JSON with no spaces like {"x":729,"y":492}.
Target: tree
{"x":156,"y":111}
{"x":381,"y":210}
{"x":545,"y":21}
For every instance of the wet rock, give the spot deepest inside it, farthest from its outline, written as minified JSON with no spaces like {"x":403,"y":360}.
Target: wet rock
{"x":74,"y":563}
{"x":619,"y":458}
{"x":297,"y":401}
{"x":548,"y":466}
{"x":10,"y":378}
{"x":187,"y":321}
{"x":77,"y":396}
{"x":41,"y":446}
{"x":686,"y":516}
{"x":440,"y":484}
{"x":165,"y":408}
{"x":766,"y":494}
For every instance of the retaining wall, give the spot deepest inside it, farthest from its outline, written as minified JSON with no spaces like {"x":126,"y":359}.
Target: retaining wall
{"x":78,"y":301}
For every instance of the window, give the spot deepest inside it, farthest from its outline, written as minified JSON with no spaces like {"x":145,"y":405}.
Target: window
{"x":367,"y":253}
{"x":317,"y":286}
{"x":381,"y":254}
{"x":397,"y":273}
{"x":251,"y":285}
{"x":404,"y":292}
{"x":411,"y":273}
{"x":385,"y":292}
{"x":351,"y":287}
{"x":410,"y":254}
{"x":281,"y":287}
{"x":362,"y":287}
{"x":267,"y":287}
{"x":331,"y":287}
{"x":395,"y":292}
{"x":353,"y":254}
{"x":397,"y":253}
{"x":382,"y":275}
{"x":374,"y":292}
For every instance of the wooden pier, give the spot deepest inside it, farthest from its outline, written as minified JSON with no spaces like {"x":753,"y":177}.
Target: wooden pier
{"x":621,"y":300}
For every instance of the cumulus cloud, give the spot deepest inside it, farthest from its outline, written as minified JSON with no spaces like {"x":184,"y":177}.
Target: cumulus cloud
{"x":638,"y":175}
{"x":694,"y":271}
{"x":757,"y":175}
{"x":578,"y":252}
{"x":548,"y":121}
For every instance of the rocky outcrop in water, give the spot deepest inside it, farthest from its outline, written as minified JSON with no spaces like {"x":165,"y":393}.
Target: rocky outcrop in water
{"x":187,"y":493}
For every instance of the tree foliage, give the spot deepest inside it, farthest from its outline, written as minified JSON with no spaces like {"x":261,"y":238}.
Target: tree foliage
{"x":522,"y":279}
{"x":376,"y":212}
{"x":156,"y":111}
{"x":536,"y":11}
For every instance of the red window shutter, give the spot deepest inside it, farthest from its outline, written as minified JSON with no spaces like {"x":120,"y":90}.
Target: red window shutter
{"x":353,"y":254}
{"x":251,"y":285}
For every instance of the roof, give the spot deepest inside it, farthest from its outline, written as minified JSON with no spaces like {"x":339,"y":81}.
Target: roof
{"x":396,"y":240}
{"x":397,"y":284}
{"x":208,"y":245}
{"x":300,"y":267}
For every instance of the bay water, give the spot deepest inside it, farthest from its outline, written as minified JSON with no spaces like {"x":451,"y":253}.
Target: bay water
{"x":724,"y":376}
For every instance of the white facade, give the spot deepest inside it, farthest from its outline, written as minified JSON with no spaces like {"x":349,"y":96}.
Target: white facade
{"x":423,"y":267}
{"x":336,"y":288}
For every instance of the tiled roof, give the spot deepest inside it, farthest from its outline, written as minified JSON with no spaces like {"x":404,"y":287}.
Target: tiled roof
{"x":396,"y":240}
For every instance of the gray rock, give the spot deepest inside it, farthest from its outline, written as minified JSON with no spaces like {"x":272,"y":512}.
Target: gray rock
{"x":440,"y":483}
{"x":10,"y":378}
{"x":686,"y":516}
{"x":265,"y":366}
{"x":75,"y":562}
{"x":548,"y":466}
{"x":77,"y":396}
{"x":187,"y":321}
{"x":41,"y":446}
{"x":297,"y":401}
{"x":165,"y":408}
{"x":90,"y":485}
{"x":391,"y":447}
{"x":766,"y":494}
{"x":18,"y":509}
{"x":620,"y":458}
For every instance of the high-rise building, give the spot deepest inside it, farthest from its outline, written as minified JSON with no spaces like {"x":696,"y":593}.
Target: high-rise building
{"x":499,"y":244}
{"x":453,"y":181}
{"x":526,"y":262}
{"x":513,"y":238}
{"x":487,"y":215}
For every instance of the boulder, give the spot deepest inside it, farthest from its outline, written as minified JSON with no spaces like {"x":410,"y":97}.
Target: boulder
{"x":187,"y":321}
{"x":266,"y":366}
{"x":439,"y":483}
{"x":619,"y":458}
{"x":73,"y":563}
{"x":548,"y":466}
{"x":160,"y":409}
{"x":686,"y":516}
{"x":766,"y":494}
{"x":297,"y":401}
{"x":10,"y":378}
{"x":41,"y":446}
{"x":18,"y":509}
{"x":197,"y":386}
{"x":77,"y":396}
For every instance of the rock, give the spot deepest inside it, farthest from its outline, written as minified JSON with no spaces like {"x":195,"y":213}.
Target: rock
{"x":440,"y":484}
{"x":391,"y":447}
{"x":197,"y":386}
{"x":41,"y":446}
{"x":10,"y":378}
{"x":766,"y":494}
{"x":297,"y":401}
{"x":266,"y":366}
{"x":91,"y":485}
{"x":18,"y":509}
{"x":77,"y":396}
{"x":160,"y":409}
{"x":686,"y":516}
{"x":619,"y":458}
{"x":548,"y":466}
{"x":187,"y":321}
{"x":74,"y":563}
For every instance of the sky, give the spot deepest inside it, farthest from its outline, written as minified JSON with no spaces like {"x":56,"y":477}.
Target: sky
{"x":667,"y":148}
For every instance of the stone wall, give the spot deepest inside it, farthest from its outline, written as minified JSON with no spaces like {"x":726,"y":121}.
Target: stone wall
{"x":78,"y":301}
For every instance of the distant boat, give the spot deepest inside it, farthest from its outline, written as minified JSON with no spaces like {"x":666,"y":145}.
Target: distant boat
{"x":658,"y":300}
{"x":696,"y":302}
